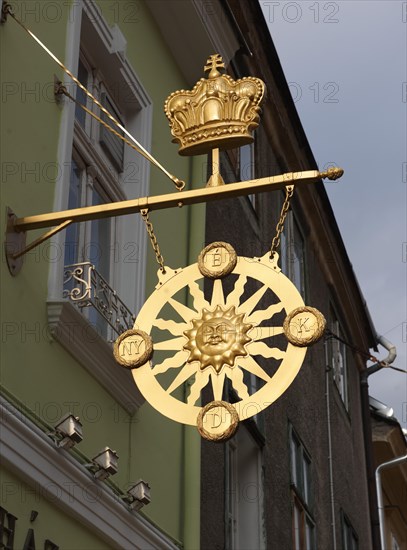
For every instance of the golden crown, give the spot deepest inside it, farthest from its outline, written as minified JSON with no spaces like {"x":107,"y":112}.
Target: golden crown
{"x":218,"y":112}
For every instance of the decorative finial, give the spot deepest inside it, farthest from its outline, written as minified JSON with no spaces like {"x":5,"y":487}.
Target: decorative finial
{"x":333,"y":173}
{"x":214,"y":63}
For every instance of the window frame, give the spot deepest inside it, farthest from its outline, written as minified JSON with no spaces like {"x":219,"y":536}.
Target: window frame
{"x":230,"y":172}
{"x":100,"y":176}
{"x":243,"y":455}
{"x":347,"y":530}
{"x":302,"y":489}
{"x":288,"y":243}
{"x":301,"y":493}
{"x":130,"y":257}
{"x":300,"y":534}
{"x":340,"y":379}
{"x":242,"y":168}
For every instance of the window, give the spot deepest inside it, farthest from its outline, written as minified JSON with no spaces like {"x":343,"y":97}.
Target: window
{"x":244,"y":493}
{"x":292,"y":253}
{"x":349,"y":536}
{"x":303,"y":526}
{"x":232,"y":501}
{"x":97,"y":162}
{"x":338,"y":358}
{"x":246,"y":167}
{"x":98,"y":263}
{"x":246,"y":162}
{"x":96,"y":168}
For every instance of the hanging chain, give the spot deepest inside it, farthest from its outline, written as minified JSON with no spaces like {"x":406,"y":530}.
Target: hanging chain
{"x":153,"y":239}
{"x":275,"y":243}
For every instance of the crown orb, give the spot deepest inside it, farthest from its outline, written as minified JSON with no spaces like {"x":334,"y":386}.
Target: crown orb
{"x":218,"y":112}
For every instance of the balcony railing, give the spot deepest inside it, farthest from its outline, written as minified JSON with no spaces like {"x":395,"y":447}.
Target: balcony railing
{"x":85,"y":287}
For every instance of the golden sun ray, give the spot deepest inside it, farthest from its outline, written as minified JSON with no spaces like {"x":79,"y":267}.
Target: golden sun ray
{"x":249,"y":364}
{"x":182,"y":376}
{"x":198,"y":296}
{"x":173,"y":362}
{"x":235,"y":295}
{"x":173,"y":344}
{"x":260,"y":348}
{"x":177,"y":329}
{"x":186,"y":313}
{"x":236,"y":376}
{"x":218,"y":381}
{"x":201,"y":379}
{"x":252,"y":302}
{"x":261,"y":333}
{"x":262,"y":314}
{"x":218,"y":298}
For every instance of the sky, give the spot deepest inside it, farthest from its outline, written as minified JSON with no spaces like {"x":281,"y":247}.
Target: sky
{"x":346,"y":66}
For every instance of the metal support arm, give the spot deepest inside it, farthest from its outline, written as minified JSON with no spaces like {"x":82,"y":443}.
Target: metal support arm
{"x":15,"y":242}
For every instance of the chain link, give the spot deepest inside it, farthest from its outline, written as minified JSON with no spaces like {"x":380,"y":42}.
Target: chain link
{"x":153,"y":239}
{"x":275,"y":243}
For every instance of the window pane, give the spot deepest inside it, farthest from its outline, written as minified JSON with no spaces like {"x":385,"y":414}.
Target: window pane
{"x":309,"y":535}
{"x":80,"y":114}
{"x":292,"y":252}
{"x":232,"y":490}
{"x":297,"y":528}
{"x":299,"y":474}
{"x":306,"y":480}
{"x":293,"y":446}
{"x":99,"y":246}
{"x":98,"y":251}
{"x":74,"y":201}
{"x":297,"y":258}
{"x":246,"y":167}
{"x":111,"y":144}
{"x":338,"y":351}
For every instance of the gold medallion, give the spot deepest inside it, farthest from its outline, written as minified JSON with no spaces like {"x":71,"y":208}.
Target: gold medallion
{"x":217,"y":260}
{"x":133,"y":348}
{"x":304,"y":326}
{"x":217,"y":421}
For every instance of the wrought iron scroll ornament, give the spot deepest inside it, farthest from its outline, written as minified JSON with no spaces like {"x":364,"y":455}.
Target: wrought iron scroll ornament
{"x":84,"y":286}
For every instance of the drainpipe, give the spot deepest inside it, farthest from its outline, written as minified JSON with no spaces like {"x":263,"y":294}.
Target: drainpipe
{"x":380,"y":506}
{"x":367,"y":435}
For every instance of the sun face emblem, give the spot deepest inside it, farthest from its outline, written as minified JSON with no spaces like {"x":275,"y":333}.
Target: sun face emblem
{"x":217,"y":338}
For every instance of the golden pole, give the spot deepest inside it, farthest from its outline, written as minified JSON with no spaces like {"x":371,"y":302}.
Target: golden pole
{"x":170,"y":200}
{"x":216,"y":179}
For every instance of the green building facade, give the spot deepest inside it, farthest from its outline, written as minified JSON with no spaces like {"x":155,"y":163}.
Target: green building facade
{"x":56,"y":348}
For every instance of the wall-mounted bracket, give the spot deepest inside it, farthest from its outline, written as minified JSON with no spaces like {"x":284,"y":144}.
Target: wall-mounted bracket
{"x":14,"y":242}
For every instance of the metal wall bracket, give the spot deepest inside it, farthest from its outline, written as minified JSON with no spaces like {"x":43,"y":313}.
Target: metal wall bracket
{"x":14,"y":242}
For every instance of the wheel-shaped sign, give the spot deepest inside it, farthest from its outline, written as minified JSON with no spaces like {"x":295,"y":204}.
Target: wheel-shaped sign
{"x":218,"y":341}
